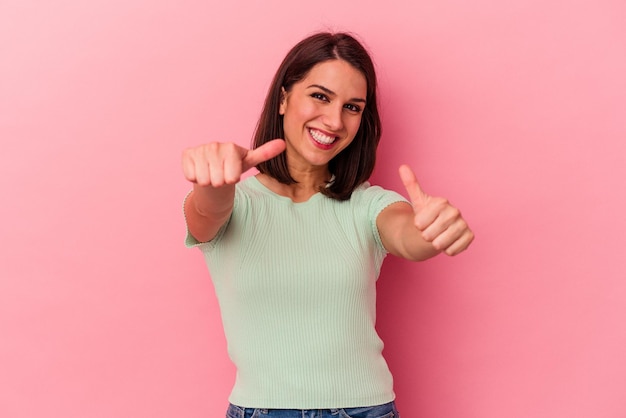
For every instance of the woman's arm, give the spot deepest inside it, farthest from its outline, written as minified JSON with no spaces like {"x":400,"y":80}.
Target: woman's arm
{"x":214,"y":169}
{"x":432,"y":225}
{"x":207,"y":209}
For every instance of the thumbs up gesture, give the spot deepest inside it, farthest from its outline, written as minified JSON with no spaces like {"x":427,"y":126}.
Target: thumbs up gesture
{"x":438,"y":222}
{"x":218,"y":164}
{"x":214,"y":169}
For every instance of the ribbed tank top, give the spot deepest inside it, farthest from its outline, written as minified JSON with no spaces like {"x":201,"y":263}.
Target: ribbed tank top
{"x":296,"y":285}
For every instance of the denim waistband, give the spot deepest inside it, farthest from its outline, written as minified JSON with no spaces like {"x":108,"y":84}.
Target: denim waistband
{"x":387,"y":410}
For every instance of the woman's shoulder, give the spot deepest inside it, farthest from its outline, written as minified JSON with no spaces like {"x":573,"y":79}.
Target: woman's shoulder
{"x":375,"y":197}
{"x":250,"y":186}
{"x":368,"y":190}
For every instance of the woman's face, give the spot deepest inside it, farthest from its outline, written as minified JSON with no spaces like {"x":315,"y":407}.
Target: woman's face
{"x":322,"y":113}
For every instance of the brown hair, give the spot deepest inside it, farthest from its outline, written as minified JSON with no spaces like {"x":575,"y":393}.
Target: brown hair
{"x":353,"y":165}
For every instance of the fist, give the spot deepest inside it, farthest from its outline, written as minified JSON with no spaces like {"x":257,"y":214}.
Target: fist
{"x":217,"y":164}
{"x":436,"y":219}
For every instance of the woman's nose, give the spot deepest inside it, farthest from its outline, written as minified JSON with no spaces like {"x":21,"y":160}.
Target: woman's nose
{"x":333,"y":117}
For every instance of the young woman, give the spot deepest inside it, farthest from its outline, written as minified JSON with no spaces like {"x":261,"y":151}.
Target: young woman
{"x":294,"y":252}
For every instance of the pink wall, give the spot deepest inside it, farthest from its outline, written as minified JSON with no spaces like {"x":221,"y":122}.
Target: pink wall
{"x":514,"y":110}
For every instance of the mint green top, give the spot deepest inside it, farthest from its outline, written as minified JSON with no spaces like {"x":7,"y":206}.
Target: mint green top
{"x":296,"y":284}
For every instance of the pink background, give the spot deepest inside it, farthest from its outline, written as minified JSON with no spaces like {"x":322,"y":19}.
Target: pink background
{"x":514,"y":110}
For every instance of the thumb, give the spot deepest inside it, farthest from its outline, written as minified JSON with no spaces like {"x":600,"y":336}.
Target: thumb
{"x":263,"y":153}
{"x":416,"y":194}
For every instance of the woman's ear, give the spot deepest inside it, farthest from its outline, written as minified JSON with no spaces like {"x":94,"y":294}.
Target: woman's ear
{"x":283,"y":100}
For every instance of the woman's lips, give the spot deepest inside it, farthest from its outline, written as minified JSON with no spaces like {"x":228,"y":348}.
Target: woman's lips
{"x":322,"y":139}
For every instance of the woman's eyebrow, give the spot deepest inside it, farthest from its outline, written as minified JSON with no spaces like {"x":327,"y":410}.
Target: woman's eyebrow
{"x":332,"y":93}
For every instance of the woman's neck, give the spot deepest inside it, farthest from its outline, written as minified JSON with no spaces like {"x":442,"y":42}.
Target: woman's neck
{"x":308,"y":183}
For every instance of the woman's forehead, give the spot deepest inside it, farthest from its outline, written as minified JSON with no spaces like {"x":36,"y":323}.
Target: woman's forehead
{"x":338,"y":76}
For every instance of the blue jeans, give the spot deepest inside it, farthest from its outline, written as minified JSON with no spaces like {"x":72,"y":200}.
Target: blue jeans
{"x":387,"y":410}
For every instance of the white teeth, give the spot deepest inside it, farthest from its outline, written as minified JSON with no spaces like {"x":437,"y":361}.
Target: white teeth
{"x":321,"y":138}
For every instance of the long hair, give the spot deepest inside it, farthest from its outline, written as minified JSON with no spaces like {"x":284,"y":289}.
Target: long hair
{"x":353,"y":165}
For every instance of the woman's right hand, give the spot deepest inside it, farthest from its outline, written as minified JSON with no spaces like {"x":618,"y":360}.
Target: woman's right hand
{"x":217,"y":164}
{"x":214,"y":169}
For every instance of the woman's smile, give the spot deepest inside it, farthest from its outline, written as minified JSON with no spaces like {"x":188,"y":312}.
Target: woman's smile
{"x":322,"y":113}
{"x":322,"y":139}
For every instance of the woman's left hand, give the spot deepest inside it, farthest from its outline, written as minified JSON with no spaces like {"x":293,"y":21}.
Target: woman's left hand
{"x":439,"y":223}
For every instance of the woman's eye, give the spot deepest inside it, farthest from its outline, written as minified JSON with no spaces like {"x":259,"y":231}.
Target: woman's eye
{"x":319,"y":96}
{"x":353,"y":107}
